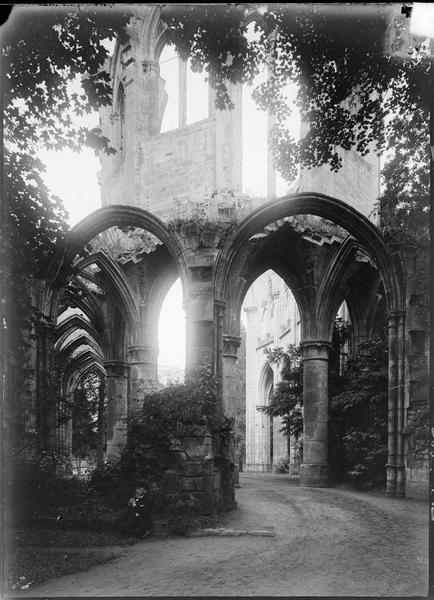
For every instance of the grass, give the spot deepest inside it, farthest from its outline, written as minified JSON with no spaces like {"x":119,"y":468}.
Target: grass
{"x":68,"y":538}
{"x":29,"y":566}
{"x":41,"y":553}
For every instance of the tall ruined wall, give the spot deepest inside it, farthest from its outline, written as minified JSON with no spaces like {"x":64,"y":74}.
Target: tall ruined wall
{"x":162,"y":171}
{"x":357,"y":182}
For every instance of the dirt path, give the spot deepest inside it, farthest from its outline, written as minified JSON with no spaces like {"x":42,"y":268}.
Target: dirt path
{"x":329,"y":542}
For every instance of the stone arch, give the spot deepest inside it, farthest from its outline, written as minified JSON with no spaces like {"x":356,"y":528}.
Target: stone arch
{"x":336,"y":286}
{"x":237,"y":292}
{"x":113,"y":281}
{"x":103,"y":218}
{"x":81,"y":340}
{"x":390,"y":268}
{"x":74,"y":322}
{"x":78,"y":366}
{"x":229,"y":268}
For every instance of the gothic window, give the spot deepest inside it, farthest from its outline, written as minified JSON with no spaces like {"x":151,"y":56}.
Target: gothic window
{"x":197,"y":96}
{"x":187,"y":91}
{"x":169,"y":72}
{"x":259,"y":176}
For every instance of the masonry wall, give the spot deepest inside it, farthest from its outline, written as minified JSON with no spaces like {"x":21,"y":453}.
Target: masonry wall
{"x":177,"y":167}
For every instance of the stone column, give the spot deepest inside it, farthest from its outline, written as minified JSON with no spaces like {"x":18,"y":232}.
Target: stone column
{"x":314,"y":471}
{"x":117,"y":408}
{"x":231,"y":387}
{"x":252,"y":415}
{"x":400,"y":470}
{"x":143,"y":372}
{"x":231,"y":379}
{"x":395,"y":451}
{"x":392,"y":403}
{"x":199,"y":311}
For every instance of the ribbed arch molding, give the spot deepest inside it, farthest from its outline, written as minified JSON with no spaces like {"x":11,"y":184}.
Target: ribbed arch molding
{"x":334,"y":210}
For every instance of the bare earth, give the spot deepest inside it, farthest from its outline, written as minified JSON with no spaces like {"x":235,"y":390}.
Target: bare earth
{"x":328,"y":542}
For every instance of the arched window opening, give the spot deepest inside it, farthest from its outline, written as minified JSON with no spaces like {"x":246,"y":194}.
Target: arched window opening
{"x":169,"y":71}
{"x":269,"y":315}
{"x":88,"y":414}
{"x":259,"y":176}
{"x":197,"y":100}
{"x":342,"y":330}
{"x":187,"y":91}
{"x":171,"y":337}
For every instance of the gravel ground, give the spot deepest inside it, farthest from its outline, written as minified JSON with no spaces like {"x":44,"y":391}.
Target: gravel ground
{"x":328,"y":542}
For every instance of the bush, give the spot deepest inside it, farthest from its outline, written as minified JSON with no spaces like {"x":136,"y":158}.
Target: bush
{"x":157,"y":436}
{"x":282,"y":465}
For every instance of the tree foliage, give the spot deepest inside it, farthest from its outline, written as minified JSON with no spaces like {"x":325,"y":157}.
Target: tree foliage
{"x":405,"y":200}
{"x":45,"y":51}
{"x":287,"y":399}
{"x":358,"y":416}
{"x":349,"y":82}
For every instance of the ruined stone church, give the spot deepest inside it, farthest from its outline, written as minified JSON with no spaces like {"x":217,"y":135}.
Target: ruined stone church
{"x":173,"y":205}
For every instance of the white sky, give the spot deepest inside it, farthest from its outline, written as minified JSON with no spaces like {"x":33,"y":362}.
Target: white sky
{"x":422,"y":19}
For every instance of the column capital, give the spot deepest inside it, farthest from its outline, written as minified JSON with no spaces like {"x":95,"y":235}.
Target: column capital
{"x":396,"y":314}
{"x":116,"y":368}
{"x":315,"y":349}
{"x":43,"y":323}
{"x":219,"y":303}
{"x":231,"y":343}
{"x":142,"y":354}
{"x":150,"y":65}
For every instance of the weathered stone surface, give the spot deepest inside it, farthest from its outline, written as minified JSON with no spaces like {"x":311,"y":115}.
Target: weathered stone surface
{"x":228,"y":532}
{"x":192,"y":484}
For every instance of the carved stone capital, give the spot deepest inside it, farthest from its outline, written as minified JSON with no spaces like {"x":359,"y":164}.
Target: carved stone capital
{"x":142,"y":354}
{"x":315,"y":349}
{"x":150,"y":66}
{"x":231,"y":343}
{"x":116,"y":369}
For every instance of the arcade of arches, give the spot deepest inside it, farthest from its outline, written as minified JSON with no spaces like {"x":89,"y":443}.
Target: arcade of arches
{"x":177,"y":203}
{"x":111,"y":320}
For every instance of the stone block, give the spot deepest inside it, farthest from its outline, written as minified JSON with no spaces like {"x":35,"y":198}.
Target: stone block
{"x":193,"y":468}
{"x":191,"y":484}
{"x":170,"y":480}
{"x":314,"y":475}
